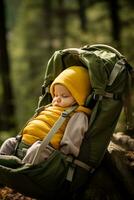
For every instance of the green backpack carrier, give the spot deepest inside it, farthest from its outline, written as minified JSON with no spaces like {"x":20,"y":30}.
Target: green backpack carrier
{"x":60,"y":175}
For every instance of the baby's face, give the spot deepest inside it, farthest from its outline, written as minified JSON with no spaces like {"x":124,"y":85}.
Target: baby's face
{"x":62,"y":96}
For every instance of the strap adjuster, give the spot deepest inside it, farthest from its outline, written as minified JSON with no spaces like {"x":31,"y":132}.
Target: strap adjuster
{"x":67,"y":112}
{"x":97,"y":97}
{"x":64,"y":114}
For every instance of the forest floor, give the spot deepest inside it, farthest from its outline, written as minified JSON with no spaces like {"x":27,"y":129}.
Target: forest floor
{"x":10,"y":194}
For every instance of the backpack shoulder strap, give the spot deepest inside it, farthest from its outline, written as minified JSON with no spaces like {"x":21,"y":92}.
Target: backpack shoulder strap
{"x":52,"y":131}
{"x":118,"y":67}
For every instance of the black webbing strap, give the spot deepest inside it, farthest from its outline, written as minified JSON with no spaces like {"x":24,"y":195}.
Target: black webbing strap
{"x":94,"y":97}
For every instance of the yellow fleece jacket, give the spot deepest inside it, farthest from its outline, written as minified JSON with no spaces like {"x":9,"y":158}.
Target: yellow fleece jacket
{"x":39,"y":126}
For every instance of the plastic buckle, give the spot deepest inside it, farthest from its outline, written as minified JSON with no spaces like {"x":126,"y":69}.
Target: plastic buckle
{"x":18,"y":137}
{"x":64,"y":114}
{"x":97,"y":97}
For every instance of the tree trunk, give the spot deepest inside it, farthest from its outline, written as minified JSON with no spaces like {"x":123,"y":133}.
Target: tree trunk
{"x":113,"y":7}
{"x":48,"y":23}
{"x":62,"y":18}
{"x":6,"y":104}
{"x":82,"y":15}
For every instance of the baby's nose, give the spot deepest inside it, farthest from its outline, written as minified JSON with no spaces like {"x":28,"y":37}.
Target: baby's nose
{"x":58,"y":99}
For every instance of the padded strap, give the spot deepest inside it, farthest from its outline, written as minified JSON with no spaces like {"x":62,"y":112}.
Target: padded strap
{"x":118,"y":67}
{"x":53,"y":130}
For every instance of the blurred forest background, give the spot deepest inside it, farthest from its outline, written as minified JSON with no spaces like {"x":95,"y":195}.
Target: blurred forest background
{"x":30,"y":32}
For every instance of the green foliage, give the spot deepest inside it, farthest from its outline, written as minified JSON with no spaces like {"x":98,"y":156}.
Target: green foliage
{"x":32,"y":41}
{"x":97,"y":21}
{"x":11,"y":10}
{"x":28,"y":56}
{"x":5,"y":134}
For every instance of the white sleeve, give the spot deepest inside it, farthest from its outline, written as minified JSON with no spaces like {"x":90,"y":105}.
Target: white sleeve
{"x":74,"y":134}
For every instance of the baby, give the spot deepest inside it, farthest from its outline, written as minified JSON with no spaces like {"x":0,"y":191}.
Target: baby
{"x":71,"y":87}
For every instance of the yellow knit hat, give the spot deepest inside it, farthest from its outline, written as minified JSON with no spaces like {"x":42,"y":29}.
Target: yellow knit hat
{"x":76,"y":80}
